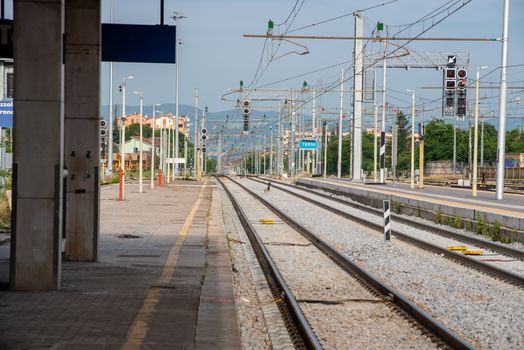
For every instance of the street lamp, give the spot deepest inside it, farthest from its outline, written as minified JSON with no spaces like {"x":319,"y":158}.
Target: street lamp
{"x":123,"y":131}
{"x":476,"y":133}
{"x":153,"y":149}
{"x":177,"y":17}
{"x":140,"y":170}
{"x":412,"y":137}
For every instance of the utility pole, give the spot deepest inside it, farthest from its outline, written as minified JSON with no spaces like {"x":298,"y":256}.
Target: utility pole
{"x":315,"y":130}
{"x":169,"y":146}
{"x":177,"y":17}
{"x":219,"y":156}
{"x":482,"y":143}
{"x":140,"y":169}
{"x":111,"y":116}
{"x":454,"y":148}
{"x":501,"y":140}
{"x":292,"y":141}
{"x":196,"y":141}
{"x":412,"y":138}
{"x":476,"y":137}
{"x":271,"y":151}
{"x":394,"y":151}
{"x":421,"y":157}
{"x":204,"y":150}
{"x":357,"y":98}
{"x":123,"y":135}
{"x":263,"y":155}
{"x":185,"y":154}
{"x":161,"y":160}
{"x":325,"y":148}
{"x":383,"y":124}
{"x":469,"y":143}
{"x":340,"y":114}
{"x":153,"y":149}
{"x":375,"y":114}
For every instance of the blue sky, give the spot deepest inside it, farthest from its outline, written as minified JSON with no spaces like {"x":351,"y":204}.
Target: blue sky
{"x":215,"y":56}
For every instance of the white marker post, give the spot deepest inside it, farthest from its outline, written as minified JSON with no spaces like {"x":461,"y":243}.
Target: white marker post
{"x":387,"y":220}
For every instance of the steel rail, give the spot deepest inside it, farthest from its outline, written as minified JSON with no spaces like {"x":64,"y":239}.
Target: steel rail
{"x":496,"y":247}
{"x":435,"y":327}
{"x":494,"y":271}
{"x":300,"y":322}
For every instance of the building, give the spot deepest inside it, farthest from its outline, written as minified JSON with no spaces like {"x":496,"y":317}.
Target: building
{"x":168,"y":120}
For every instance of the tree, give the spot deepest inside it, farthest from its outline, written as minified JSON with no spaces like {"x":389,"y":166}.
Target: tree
{"x":368,"y":152}
{"x":403,"y":142}
{"x":514,"y":141}
{"x":437,"y":140}
{"x":134,"y":130}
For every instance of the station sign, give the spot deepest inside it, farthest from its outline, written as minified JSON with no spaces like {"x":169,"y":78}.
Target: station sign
{"x":308,"y":144}
{"x":138,"y":43}
{"x":6,"y":113}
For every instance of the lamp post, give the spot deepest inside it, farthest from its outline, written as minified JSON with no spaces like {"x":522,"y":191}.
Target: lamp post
{"x":140,"y":170}
{"x":412,"y":138}
{"x":177,"y":17}
{"x":476,"y":133}
{"x":153,"y":148}
{"x":123,"y":131}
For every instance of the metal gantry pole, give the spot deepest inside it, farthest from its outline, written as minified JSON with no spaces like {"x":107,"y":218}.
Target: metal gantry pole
{"x":454,"y":148}
{"x":168,"y":166}
{"x":475,"y":137}
{"x":383,"y":123}
{"x":412,"y":183}
{"x":501,"y":140}
{"x":292,"y":140}
{"x":356,"y":139}
{"x":123,"y":135}
{"x":177,"y":18}
{"x":482,"y":142}
{"x":140,"y":160}
{"x":271,"y":150}
{"x":476,"y":133}
{"x":325,"y":149}
{"x":111,"y":116}
{"x":314,"y":130}
{"x":195,"y":141}
{"x":340,"y":115}
{"x":280,"y":156}
{"x":375,"y":114}
{"x":153,"y":149}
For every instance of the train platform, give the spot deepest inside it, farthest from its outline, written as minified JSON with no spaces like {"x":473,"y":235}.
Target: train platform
{"x":449,"y":201}
{"x":163,"y":280}
{"x":512,"y":205}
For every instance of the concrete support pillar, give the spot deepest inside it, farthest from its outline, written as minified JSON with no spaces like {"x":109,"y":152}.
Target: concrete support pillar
{"x":39,"y":143}
{"x":82,"y":122}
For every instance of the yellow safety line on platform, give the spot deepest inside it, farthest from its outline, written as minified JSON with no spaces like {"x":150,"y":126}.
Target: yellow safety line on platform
{"x":140,"y":326}
{"x":433,"y":198}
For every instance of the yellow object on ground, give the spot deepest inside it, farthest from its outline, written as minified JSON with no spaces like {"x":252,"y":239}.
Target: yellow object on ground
{"x":457,"y":247}
{"x":473,"y":252}
{"x":267,"y":221}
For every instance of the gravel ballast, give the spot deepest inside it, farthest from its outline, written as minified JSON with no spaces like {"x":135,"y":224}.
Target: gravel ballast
{"x":342,"y":312}
{"x":484,"y":310}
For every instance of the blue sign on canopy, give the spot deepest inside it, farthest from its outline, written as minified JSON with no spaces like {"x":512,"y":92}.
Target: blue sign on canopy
{"x":308,"y":144}
{"x":6,"y":113}
{"x":138,"y":43}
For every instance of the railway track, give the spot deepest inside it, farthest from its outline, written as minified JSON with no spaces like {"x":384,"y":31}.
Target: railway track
{"x":401,"y":304}
{"x":491,"y":270}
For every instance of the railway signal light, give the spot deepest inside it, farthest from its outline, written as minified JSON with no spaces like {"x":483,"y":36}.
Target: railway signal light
{"x":461,"y":103}
{"x":451,"y":73}
{"x":204,"y":133}
{"x":103,"y":128}
{"x":246,"y":110}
